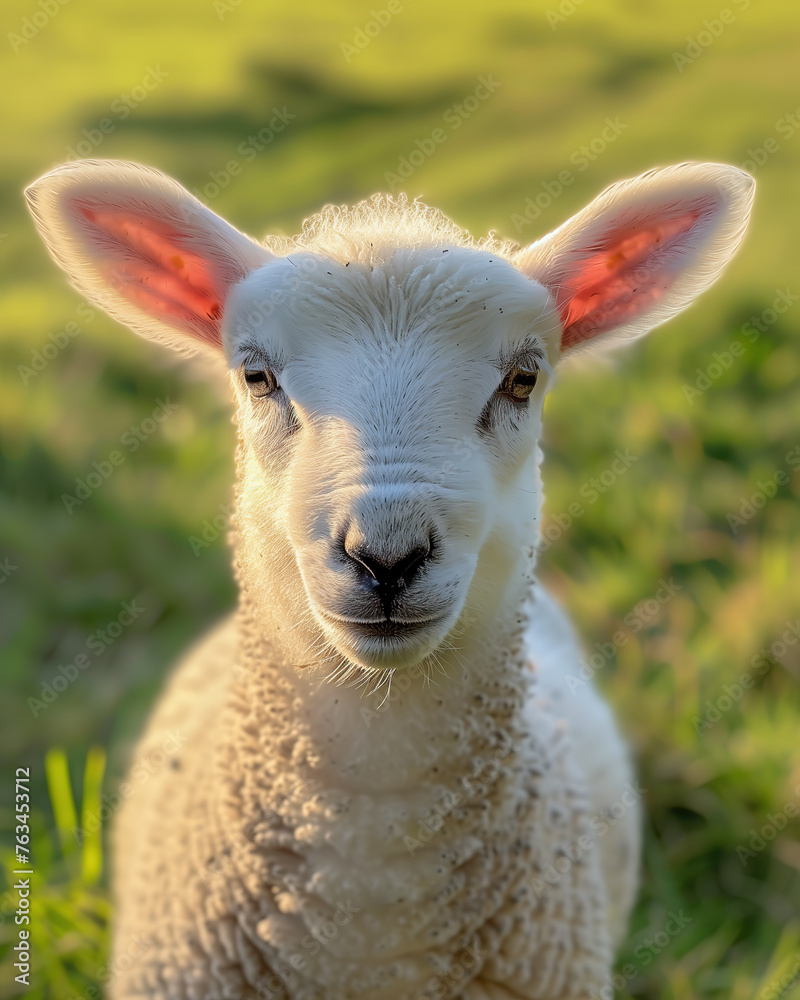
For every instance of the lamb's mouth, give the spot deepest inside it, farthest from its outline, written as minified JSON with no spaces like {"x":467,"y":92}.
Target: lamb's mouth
{"x":378,"y":644}
{"x":390,"y":628}
{"x":384,"y":628}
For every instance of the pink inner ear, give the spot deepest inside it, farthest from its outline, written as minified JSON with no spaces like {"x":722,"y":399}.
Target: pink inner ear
{"x":147,"y":261}
{"x":621,"y":279}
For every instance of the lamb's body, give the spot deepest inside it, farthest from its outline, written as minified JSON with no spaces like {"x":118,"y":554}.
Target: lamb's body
{"x":476,"y":835}
{"x":315,"y":871}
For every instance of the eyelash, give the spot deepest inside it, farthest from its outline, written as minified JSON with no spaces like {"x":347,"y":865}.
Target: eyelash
{"x":519,"y":382}
{"x":256,"y":378}
{"x":262,"y":383}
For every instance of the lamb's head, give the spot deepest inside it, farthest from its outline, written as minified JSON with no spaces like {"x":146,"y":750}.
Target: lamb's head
{"x":389,"y":404}
{"x":390,"y":374}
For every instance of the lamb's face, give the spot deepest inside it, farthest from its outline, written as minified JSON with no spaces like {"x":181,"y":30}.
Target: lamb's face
{"x":389,"y":418}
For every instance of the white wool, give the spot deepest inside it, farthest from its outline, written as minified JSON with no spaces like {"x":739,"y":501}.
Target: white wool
{"x":365,"y":232}
{"x":382,"y":782}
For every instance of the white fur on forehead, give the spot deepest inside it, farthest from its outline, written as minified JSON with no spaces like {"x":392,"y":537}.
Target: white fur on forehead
{"x":454,"y":294}
{"x":370,"y":231}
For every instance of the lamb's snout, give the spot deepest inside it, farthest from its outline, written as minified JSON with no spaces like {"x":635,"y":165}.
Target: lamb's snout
{"x":387,"y":567}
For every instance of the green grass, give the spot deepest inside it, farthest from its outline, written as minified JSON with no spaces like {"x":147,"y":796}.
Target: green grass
{"x":668,"y":518}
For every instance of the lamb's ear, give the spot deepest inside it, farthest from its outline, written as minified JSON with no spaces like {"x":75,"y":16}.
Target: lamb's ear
{"x":641,"y":251}
{"x":139,"y":245}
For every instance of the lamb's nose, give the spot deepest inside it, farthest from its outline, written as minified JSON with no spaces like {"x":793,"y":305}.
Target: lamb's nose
{"x":384,"y":573}
{"x":394,"y":574}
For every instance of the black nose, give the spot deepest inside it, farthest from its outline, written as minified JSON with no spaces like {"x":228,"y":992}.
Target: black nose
{"x":387,"y":576}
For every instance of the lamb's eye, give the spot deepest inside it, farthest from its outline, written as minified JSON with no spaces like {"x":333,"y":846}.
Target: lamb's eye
{"x":519,"y":383}
{"x":260,"y":383}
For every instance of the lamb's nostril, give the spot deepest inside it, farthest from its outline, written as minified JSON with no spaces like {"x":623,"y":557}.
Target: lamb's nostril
{"x":389,"y":574}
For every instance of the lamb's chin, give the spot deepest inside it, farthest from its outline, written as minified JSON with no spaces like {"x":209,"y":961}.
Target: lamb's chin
{"x":376,"y":652}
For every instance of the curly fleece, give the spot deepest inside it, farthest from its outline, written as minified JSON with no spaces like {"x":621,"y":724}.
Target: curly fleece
{"x":267,"y":878}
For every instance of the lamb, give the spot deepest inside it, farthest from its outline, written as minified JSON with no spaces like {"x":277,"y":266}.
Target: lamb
{"x":386,"y":788}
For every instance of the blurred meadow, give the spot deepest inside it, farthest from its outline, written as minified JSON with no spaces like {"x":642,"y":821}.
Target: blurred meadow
{"x":681,"y":573}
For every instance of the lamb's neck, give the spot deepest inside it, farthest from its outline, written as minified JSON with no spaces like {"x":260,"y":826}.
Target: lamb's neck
{"x":426,"y":721}
{"x":408,"y":810}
